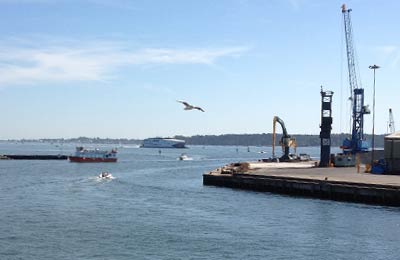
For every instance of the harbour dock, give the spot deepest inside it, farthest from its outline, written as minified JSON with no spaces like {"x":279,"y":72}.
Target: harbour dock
{"x":304,"y":179}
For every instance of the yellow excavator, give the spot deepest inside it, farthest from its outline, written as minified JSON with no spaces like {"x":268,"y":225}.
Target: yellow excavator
{"x":286,"y":141}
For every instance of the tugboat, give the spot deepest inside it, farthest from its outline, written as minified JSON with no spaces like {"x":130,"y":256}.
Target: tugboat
{"x":93,"y":155}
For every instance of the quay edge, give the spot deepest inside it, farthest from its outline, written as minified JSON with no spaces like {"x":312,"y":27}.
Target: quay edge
{"x":341,"y":184}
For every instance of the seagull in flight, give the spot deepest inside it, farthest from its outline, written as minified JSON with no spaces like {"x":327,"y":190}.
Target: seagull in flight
{"x":189,"y":106}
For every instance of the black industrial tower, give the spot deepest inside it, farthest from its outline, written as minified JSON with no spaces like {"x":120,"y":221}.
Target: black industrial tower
{"x":326,"y":127}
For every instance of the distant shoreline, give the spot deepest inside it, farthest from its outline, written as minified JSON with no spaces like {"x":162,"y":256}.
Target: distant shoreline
{"x":226,"y":139}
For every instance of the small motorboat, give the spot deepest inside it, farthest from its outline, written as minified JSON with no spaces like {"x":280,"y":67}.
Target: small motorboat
{"x":184,"y":157}
{"x":105,"y":175}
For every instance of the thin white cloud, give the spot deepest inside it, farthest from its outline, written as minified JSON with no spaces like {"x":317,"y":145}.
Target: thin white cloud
{"x":388,"y":49}
{"x":17,"y":2}
{"x":92,"y":61}
{"x":390,"y":54}
{"x":118,"y":4}
{"x":296,"y":4}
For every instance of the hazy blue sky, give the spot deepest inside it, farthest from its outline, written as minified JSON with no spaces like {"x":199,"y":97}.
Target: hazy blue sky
{"x":115,"y":68}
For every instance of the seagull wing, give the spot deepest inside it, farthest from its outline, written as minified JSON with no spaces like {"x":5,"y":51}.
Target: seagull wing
{"x":199,"y":108}
{"x":183,"y":102}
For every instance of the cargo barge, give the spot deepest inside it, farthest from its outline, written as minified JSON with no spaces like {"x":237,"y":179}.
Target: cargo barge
{"x":33,"y":157}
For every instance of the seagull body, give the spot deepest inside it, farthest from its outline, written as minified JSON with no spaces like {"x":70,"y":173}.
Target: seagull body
{"x":189,"y":107}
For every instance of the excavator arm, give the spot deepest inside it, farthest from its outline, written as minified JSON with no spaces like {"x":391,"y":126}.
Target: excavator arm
{"x":286,"y":141}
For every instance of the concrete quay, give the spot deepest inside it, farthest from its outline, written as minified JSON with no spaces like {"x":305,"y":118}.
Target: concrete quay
{"x":304,"y":179}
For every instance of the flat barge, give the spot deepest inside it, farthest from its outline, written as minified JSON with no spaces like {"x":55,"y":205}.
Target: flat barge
{"x":33,"y":157}
{"x":304,"y":179}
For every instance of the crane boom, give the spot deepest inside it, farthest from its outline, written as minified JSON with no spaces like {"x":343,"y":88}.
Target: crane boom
{"x":357,"y":142}
{"x":351,"y":63}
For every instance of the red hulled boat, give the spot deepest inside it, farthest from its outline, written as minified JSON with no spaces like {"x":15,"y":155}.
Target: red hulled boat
{"x":94,"y":155}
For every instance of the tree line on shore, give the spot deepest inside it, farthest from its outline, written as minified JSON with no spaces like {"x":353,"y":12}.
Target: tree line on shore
{"x":266,"y":139}
{"x":226,"y":139}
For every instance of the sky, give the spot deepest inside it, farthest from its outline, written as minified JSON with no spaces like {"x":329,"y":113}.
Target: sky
{"x":115,"y":68}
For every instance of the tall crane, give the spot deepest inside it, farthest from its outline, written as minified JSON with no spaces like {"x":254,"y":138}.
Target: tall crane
{"x":391,"y":127}
{"x":356,"y":143}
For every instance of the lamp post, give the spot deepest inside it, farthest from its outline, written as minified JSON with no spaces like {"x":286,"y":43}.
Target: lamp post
{"x":373,"y":67}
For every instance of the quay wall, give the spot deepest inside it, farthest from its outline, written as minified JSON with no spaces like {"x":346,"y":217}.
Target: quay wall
{"x":323,"y":189}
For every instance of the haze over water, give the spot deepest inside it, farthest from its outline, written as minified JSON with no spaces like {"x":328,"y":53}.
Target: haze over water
{"x":157,"y":208}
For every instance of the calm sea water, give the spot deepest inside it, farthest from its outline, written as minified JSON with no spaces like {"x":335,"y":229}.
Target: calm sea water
{"x":157,"y":208}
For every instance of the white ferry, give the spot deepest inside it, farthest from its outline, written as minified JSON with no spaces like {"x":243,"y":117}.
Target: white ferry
{"x":163,"y":143}
{"x":95,"y":155}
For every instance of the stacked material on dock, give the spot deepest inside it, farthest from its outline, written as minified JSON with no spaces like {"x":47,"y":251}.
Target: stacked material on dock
{"x":343,"y":184}
{"x":392,"y":153}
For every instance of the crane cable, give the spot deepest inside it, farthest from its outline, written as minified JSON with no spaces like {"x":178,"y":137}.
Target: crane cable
{"x":341,"y":76}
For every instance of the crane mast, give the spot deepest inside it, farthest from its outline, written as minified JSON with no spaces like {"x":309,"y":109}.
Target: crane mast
{"x":391,"y":127}
{"x":357,"y":143}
